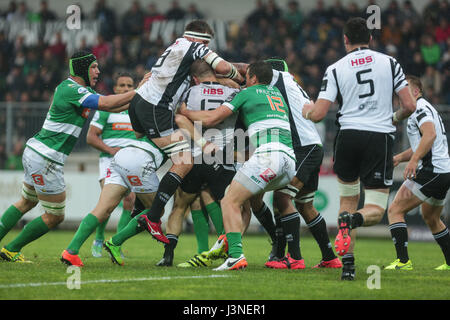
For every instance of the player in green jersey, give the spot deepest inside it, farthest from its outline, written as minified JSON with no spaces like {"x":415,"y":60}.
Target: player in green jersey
{"x":265,"y":114}
{"x":108,"y":132}
{"x":46,"y":152}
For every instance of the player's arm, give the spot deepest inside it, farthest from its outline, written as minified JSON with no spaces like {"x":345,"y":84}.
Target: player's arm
{"x":403,"y":157}
{"x":426,"y":143}
{"x":407,"y":105}
{"x":115,"y":102}
{"x":209,"y":118}
{"x":94,"y":139}
{"x":223,"y":67}
{"x":189,"y":129}
{"x":316,"y":111}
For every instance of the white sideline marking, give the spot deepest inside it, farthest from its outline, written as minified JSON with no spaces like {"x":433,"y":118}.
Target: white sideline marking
{"x":63,"y":283}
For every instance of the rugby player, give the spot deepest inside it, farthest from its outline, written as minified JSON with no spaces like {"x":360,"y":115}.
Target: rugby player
{"x":363,"y":83}
{"x":152,"y":110}
{"x":108,"y":132}
{"x":427,"y":179}
{"x":45,"y":153}
{"x":272,"y":165}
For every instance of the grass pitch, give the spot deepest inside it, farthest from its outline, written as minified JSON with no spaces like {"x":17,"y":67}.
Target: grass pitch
{"x":47,"y":277}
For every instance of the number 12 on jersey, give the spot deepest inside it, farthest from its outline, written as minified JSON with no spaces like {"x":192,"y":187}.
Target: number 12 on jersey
{"x":276,"y":103}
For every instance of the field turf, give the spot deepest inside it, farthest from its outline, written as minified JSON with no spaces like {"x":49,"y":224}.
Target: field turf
{"x":46,"y":278}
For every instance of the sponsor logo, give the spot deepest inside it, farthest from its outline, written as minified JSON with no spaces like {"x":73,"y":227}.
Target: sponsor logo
{"x":122,"y":126}
{"x":85,"y":113}
{"x":361,"y":61}
{"x":268,"y":175}
{"x":108,"y":173}
{"x":134,"y":181}
{"x":213,"y":91}
{"x":38,"y":179}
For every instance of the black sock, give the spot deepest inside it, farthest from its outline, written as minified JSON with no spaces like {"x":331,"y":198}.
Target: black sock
{"x":443,"y":239}
{"x":138,"y":207}
{"x":348,"y":259}
{"x":318,"y":228}
{"x":170,"y":247}
{"x":167,"y":187}
{"x":281,"y":239}
{"x":264,"y":216}
{"x":399,"y":234}
{"x":291,"y":230}
{"x":357,"y":220}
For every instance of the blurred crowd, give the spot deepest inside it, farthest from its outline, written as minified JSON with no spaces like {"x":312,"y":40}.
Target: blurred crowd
{"x":308,"y":40}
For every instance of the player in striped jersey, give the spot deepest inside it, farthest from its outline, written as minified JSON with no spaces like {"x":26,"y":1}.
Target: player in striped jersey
{"x":152,"y":110}
{"x":108,"y":132}
{"x":46,"y":152}
{"x":427,"y":179}
{"x":363,"y":83}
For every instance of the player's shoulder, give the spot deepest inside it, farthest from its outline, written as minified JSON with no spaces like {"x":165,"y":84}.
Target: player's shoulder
{"x":423,"y":105}
{"x":70,"y":87}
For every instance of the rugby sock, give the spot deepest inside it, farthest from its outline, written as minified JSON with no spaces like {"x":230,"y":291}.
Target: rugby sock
{"x":318,"y":228}
{"x":87,"y":226}
{"x":443,"y":239}
{"x":264,"y":216}
{"x":125,"y":218}
{"x":138,"y":208}
{"x":170,"y":247}
{"x":100,"y":230}
{"x":215,"y":212}
{"x":32,"y":231}
{"x":234,"y":244}
{"x":201,"y":229}
{"x":167,"y":187}
{"x":357,"y":220}
{"x":348,"y":259}
{"x":280,"y":238}
{"x":130,"y":230}
{"x":399,"y":234}
{"x":9,"y":219}
{"x":291,"y":230}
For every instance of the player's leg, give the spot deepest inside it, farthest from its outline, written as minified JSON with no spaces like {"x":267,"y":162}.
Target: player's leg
{"x":14,"y":213}
{"x":431,"y":214}
{"x":125,"y":217}
{"x":97,"y":244}
{"x":213,"y":210}
{"x":110,"y":197}
{"x":404,"y":201}
{"x":174,"y":225}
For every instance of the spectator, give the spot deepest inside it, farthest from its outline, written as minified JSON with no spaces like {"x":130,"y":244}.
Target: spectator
{"x":390,"y":33}
{"x":151,"y":16}
{"x":106,"y":18}
{"x":410,"y":13}
{"x":431,"y":51}
{"x":45,"y":14}
{"x":432,"y":81}
{"x":273,"y":13}
{"x":319,"y":14}
{"x":133,"y":20}
{"x":175,"y":12}
{"x":58,"y":48}
{"x":102,"y":50}
{"x":294,"y":17}
{"x":431,"y":11}
{"x":193,"y":13}
{"x":14,"y":160}
{"x":442,"y":31}
{"x":257,"y":14}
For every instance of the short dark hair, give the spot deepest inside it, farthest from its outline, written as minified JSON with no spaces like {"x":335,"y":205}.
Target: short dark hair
{"x":415,"y":81}
{"x":262,"y":70}
{"x":356,"y":31}
{"x":199,"y":26}
{"x":123,"y":74}
{"x":200,"y":68}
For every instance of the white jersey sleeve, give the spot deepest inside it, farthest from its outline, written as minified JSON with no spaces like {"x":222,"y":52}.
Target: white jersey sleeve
{"x":329,"y":88}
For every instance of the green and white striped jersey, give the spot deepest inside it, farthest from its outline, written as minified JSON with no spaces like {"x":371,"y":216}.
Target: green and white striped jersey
{"x":64,"y":122}
{"x":116,"y":129}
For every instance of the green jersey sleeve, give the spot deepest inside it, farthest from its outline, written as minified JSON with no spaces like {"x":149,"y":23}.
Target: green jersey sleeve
{"x":72,"y":93}
{"x":236,"y":100}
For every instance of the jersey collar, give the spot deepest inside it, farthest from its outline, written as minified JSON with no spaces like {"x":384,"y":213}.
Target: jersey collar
{"x":210,"y":82}
{"x":360,"y":48}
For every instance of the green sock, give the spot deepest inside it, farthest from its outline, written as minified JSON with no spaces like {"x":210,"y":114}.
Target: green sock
{"x":215,"y":212}
{"x":33,"y":230}
{"x":201,"y":229}
{"x":125,"y":218}
{"x":234,"y":244}
{"x":130,"y":230}
{"x":87,"y":226}
{"x":100,"y":230}
{"x":8,"y":220}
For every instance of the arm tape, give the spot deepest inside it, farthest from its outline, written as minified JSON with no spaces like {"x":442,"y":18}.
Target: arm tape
{"x":213,"y":60}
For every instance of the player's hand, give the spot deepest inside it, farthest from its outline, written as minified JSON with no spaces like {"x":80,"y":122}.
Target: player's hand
{"x":145,"y":79}
{"x":396,"y":161}
{"x":114,"y":150}
{"x":183,"y":110}
{"x":229,"y":83}
{"x":307,"y":107}
{"x":410,"y":170}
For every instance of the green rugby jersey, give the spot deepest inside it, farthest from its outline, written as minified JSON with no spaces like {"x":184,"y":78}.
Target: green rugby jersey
{"x":64,"y":122}
{"x":264,"y":113}
{"x":116,"y":129}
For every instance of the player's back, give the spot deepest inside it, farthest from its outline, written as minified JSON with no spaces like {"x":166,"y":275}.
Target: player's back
{"x":303,"y":131}
{"x":363,"y":83}
{"x":437,"y":159}
{"x":170,"y":74}
{"x":209,"y":96}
